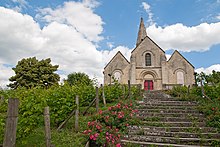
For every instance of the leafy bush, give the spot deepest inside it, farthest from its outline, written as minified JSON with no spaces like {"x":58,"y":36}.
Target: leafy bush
{"x":60,"y":99}
{"x":112,"y":92}
{"x":108,"y":127}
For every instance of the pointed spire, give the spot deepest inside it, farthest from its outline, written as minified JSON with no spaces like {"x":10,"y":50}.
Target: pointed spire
{"x":141,"y":33}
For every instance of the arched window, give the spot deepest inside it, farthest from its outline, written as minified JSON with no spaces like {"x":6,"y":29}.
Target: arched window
{"x":148,"y":59}
{"x":180,"y":77}
{"x":117,"y":76}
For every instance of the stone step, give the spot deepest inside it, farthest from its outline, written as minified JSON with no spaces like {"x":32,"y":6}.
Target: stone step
{"x":173,"y":103}
{"x":170,"y":119}
{"x":174,"y":124}
{"x":164,"y":111}
{"x":175,"y":134}
{"x":169,"y":104}
{"x":174,"y":129}
{"x":172,"y":140}
{"x":166,"y":107}
{"x":160,"y":99}
{"x":130,"y":143}
{"x":157,"y":114}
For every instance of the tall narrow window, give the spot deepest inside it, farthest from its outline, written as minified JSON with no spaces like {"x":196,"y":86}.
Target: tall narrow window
{"x":180,"y":77}
{"x":117,"y":76}
{"x":148,"y":59}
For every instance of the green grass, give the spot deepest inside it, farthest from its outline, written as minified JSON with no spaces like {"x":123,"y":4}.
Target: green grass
{"x":66,"y":137}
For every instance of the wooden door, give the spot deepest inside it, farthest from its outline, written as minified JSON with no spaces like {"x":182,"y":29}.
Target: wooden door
{"x":148,"y":85}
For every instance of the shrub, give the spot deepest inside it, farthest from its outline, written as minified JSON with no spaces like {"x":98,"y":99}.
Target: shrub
{"x":109,"y":126}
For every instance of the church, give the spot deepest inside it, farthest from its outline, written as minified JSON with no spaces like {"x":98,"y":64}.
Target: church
{"x":149,"y":66}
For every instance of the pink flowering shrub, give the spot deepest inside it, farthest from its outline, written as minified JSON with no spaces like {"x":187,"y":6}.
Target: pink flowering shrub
{"x":110,"y":125}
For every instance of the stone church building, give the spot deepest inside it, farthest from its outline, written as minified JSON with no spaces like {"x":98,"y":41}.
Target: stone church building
{"x":149,"y":67}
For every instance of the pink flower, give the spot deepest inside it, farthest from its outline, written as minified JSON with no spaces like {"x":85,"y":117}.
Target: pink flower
{"x":89,"y":123}
{"x":91,"y":137}
{"x":119,"y":105}
{"x":118,"y":145}
{"x":100,"y":112}
{"x":98,"y":127}
{"x":109,"y":108}
{"x":96,"y":135}
{"x":85,"y":132}
{"x":120,"y":114}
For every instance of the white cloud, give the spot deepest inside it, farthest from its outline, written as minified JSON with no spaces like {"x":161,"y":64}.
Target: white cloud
{"x":91,"y":3}
{"x":110,"y":45}
{"x":184,"y":38}
{"x":21,"y":4}
{"x":147,"y":7}
{"x":108,"y":55}
{"x":71,"y":47}
{"x":79,"y":15}
{"x":218,"y":16}
{"x":5,"y":73}
{"x":208,"y":70}
{"x":22,"y":36}
{"x":168,"y":56}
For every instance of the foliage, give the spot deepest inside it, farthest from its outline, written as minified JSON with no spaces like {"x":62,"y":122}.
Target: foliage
{"x":110,"y":125}
{"x":60,"y":99}
{"x":211,"y":79}
{"x":30,"y":73}
{"x":178,"y":91}
{"x":112,"y":92}
{"x":209,"y":105}
{"x":117,"y":91}
{"x":79,"y":79}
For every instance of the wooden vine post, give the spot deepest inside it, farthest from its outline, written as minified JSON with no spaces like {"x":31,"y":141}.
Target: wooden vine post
{"x":97,"y":99}
{"x":103,"y":95}
{"x":129,"y":89}
{"x":77,"y":114}
{"x":11,"y":123}
{"x":47,"y":126}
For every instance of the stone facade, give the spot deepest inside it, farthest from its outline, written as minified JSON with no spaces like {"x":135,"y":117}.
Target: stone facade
{"x":149,"y":67}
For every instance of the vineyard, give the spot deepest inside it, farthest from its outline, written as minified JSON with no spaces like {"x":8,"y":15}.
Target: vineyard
{"x":61,"y":101}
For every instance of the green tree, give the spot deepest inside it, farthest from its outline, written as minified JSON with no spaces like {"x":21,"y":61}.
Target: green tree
{"x":213,"y":78}
{"x":79,"y":79}
{"x":31,"y":73}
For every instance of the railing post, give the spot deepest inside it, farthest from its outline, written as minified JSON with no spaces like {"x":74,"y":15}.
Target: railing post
{"x":11,"y":123}
{"x":103,"y":95}
{"x":129,"y":89}
{"x":202,"y":88}
{"x":47,"y":126}
{"x":77,"y":114}
{"x":97,"y":99}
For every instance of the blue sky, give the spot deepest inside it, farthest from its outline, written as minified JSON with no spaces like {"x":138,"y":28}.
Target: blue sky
{"x":83,"y":35}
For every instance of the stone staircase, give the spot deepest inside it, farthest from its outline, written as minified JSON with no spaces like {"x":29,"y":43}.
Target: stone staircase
{"x":167,"y":121}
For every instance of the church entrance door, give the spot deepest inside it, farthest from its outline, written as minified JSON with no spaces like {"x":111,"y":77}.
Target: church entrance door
{"x":148,"y":85}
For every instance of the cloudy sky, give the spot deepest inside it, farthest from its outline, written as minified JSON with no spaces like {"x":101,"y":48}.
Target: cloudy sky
{"x":83,"y":35}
